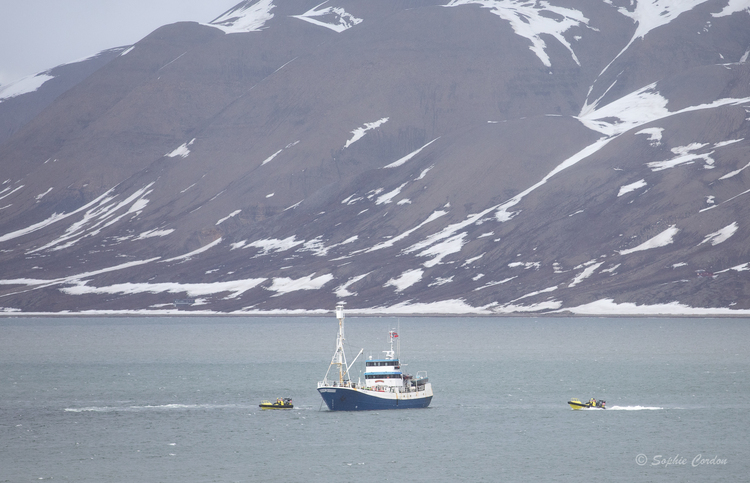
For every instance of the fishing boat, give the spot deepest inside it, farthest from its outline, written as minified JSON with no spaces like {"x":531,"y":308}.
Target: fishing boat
{"x":280,"y":403}
{"x":385,"y":385}
{"x":593,"y":403}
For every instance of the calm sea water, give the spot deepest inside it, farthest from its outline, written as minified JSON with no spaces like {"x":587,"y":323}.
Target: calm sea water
{"x":176,"y":400}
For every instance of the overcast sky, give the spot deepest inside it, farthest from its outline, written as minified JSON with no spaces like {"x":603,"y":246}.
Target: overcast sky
{"x":36,"y":35}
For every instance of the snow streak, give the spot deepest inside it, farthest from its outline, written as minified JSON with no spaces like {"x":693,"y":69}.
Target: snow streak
{"x":24,"y":86}
{"x":181,"y":151}
{"x":409,"y":156}
{"x":360,"y":131}
{"x":533,"y":20}
{"x":662,"y":239}
{"x":334,"y":18}
{"x":245,"y":18}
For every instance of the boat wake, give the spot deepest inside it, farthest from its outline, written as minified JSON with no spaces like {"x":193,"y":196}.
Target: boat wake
{"x":633,"y":408}
{"x":161,"y":407}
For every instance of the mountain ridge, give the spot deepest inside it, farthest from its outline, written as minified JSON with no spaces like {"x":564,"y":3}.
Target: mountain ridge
{"x":404,"y":159}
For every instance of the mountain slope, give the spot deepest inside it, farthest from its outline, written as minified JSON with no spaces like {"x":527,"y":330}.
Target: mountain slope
{"x":462,"y":156}
{"x":17,"y":109}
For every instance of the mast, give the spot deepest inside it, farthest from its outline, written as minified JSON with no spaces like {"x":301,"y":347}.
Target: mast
{"x":391,"y":354}
{"x":339,"y":357}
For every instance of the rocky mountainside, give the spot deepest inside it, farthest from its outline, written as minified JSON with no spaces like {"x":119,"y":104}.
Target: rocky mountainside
{"x":405,"y":156}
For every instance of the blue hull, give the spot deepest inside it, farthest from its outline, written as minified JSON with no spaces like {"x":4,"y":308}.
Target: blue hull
{"x":346,"y":399}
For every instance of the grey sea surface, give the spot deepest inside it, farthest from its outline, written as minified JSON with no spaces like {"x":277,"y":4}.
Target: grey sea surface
{"x":176,"y":400}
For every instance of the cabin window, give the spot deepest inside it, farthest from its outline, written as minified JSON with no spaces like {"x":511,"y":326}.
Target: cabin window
{"x":382,"y":364}
{"x":382,"y":376}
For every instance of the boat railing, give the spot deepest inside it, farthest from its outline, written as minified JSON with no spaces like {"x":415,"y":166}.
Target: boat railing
{"x":336,"y":384}
{"x":395,"y":389}
{"x":392,"y":389}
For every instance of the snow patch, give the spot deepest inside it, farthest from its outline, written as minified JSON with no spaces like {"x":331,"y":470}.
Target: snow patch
{"x":23,"y":86}
{"x":409,"y":156}
{"x":631,"y":187}
{"x":684,"y":156}
{"x":449,"y":230}
{"x":100,"y":215}
{"x":42,"y":195}
{"x":637,"y":108}
{"x":611,"y":269}
{"x":334,"y":18}
{"x":284,"y":285}
{"x":492,"y":284}
{"x":441,"y":250}
{"x":245,"y":18}
{"x":405,"y":280}
{"x":539,"y":307}
{"x":350,"y":200}
{"x":725,"y":202}
{"x":343,"y":290}
{"x":10,"y":192}
{"x":453,"y":306}
{"x":533,"y":20}
{"x":441,"y":281}
{"x":609,"y":307}
{"x":721,"y":235}
{"x":662,"y":239}
{"x":190,"y":255}
{"x":502,"y":214}
{"x":525,"y":265}
{"x":315,"y":246}
{"x":389,"y":243}
{"x":736,"y":172}
{"x":235,"y":287}
{"x":230,"y":215}
{"x":649,"y":15}
{"x":154,"y":233}
{"x":424,"y":173}
{"x":585,"y":274}
{"x":469,"y":261}
{"x":728,"y":142}
{"x":73,"y":279}
{"x":388,"y":197}
{"x":270,"y":158}
{"x":654,"y":135}
{"x":534,"y":294}
{"x":738,"y":268}
{"x":183,"y":151}
{"x":271,"y":244}
{"x":733,"y":6}
{"x":360,"y":131}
